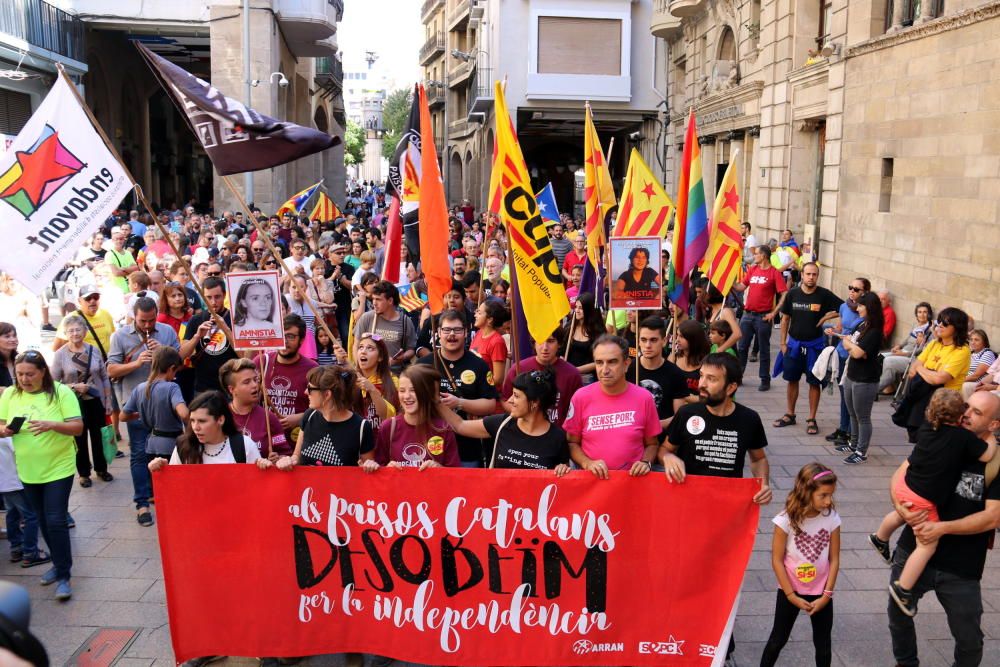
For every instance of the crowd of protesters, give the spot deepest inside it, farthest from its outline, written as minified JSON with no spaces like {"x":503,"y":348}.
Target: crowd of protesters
{"x":368,"y":377}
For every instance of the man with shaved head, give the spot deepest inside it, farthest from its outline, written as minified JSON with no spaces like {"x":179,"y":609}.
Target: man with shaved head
{"x":967,"y":523}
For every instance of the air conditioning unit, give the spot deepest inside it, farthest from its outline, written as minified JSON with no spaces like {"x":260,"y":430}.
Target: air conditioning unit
{"x":477,"y":10}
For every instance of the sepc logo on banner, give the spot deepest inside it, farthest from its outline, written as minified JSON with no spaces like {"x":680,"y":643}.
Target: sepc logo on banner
{"x":59,"y":182}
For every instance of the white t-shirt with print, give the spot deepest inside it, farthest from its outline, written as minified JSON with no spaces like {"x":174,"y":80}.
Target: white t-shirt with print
{"x":807,"y":553}
{"x":222,"y":453}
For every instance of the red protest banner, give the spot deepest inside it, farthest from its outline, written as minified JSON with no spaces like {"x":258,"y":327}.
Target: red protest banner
{"x":452,"y":567}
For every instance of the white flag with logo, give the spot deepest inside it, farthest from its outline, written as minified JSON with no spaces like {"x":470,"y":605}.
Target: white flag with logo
{"x":58,"y":183}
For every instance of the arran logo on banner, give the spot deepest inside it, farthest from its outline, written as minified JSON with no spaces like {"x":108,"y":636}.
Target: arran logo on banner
{"x":38,"y":173}
{"x":585,"y":646}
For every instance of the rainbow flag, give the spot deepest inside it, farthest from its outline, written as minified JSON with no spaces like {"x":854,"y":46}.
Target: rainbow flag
{"x":691,"y":221}
{"x":325,"y":209}
{"x":297,"y":202}
{"x":724,"y":261}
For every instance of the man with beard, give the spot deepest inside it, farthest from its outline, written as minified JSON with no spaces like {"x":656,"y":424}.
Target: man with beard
{"x":466,"y":382}
{"x":714,"y":436}
{"x":129,"y":361}
{"x":965,"y":533}
{"x":612,"y":425}
{"x":285,"y":375}
{"x":458,"y":268}
{"x":241,"y":381}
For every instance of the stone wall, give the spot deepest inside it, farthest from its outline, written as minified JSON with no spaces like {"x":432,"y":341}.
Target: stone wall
{"x":929,"y":98}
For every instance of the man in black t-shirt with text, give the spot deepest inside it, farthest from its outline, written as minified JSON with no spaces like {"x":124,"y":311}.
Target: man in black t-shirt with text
{"x":466,"y":382}
{"x":208,"y":340}
{"x":805,"y":308}
{"x":656,"y":375}
{"x":965,"y":532}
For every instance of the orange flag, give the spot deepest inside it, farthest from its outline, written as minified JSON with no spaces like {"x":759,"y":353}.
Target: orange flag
{"x":433,"y":215}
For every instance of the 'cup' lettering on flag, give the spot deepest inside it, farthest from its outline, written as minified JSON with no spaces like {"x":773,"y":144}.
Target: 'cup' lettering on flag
{"x":58,"y":183}
{"x":236,"y":138}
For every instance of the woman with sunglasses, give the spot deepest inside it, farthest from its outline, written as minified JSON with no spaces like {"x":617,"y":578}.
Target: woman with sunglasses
{"x":524,"y":439}
{"x":46,"y":418}
{"x":418,"y":437}
{"x":331,"y":434}
{"x":375,"y":396}
{"x":946,"y":359}
{"x":898,"y":358}
{"x":848,"y":324}
{"x":81,"y":368}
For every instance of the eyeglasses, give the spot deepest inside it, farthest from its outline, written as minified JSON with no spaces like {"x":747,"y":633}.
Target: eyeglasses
{"x":852,"y":288}
{"x":447,"y":331}
{"x":214,"y":274}
{"x":92,"y":297}
{"x":310,"y":388}
{"x":374,"y":336}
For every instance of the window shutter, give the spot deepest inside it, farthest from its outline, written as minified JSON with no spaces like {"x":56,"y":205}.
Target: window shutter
{"x":568,"y":45}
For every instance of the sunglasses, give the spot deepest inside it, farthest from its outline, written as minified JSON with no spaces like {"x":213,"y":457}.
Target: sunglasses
{"x":310,"y":388}
{"x":373,"y":336}
{"x":852,"y":288}
{"x":92,"y":297}
{"x":939,"y":323}
{"x":214,"y":274}
{"x":32,"y":355}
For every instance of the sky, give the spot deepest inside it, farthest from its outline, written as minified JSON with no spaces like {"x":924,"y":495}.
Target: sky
{"x":390,"y":28}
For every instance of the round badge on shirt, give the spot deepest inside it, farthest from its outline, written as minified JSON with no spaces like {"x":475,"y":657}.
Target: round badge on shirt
{"x":695,"y":425}
{"x":468,"y":377}
{"x":436,"y":444}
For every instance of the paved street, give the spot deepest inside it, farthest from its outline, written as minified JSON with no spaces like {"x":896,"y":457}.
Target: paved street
{"x":118,"y":580}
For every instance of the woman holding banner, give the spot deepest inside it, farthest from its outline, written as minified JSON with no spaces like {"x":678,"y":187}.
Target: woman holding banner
{"x":418,"y":437}
{"x":524,"y":439}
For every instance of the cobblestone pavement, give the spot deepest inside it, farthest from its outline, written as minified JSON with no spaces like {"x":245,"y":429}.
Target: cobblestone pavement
{"x":118,"y":581}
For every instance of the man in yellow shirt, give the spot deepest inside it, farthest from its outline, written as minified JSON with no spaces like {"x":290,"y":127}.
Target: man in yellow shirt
{"x":101,"y":322}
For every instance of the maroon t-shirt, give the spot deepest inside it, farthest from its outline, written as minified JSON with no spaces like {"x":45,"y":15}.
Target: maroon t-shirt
{"x":568,"y":381}
{"x":411,"y":446}
{"x":286,"y":384}
{"x":254,"y":427}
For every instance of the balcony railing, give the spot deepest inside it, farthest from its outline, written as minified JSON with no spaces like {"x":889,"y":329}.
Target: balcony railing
{"x":664,"y":24}
{"x":459,"y":73}
{"x":431,"y":48}
{"x":428,"y":7}
{"x":42,"y":25}
{"x":458,"y":17}
{"x":330,"y":74}
{"x":480,"y":97}
{"x":435,"y":96}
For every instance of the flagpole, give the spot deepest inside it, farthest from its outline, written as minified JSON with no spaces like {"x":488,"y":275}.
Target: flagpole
{"x":267,"y":407}
{"x":277,"y":256}
{"x":569,"y":336}
{"x":142,"y":197}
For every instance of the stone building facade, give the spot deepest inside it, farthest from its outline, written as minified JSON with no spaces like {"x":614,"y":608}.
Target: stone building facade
{"x":840,"y":109}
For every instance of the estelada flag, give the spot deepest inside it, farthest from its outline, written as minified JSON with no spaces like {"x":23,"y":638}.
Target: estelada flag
{"x":547,"y":206}
{"x":598,"y":193}
{"x":325,"y":209}
{"x":646,"y":208}
{"x":539,"y":277}
{"x":724,"y":260}
{"x":58,"y":183}
{"x":236,"y":137}
{"x":297,"y":202}
{"x":404,"y":178}
{"x":433,"y":228}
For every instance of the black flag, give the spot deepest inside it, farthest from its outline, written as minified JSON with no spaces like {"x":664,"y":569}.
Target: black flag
{"x":404,"y":179}
{"x":236,"y":137}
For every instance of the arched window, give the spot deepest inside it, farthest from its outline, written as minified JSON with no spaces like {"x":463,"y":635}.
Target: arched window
{"x":727,"y":45}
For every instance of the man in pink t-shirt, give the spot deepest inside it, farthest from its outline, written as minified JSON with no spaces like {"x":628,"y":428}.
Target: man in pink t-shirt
{"x":612,"y":425}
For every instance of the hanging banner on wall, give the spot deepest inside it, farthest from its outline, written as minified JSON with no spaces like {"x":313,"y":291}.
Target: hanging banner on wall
{"x":452,"y":567}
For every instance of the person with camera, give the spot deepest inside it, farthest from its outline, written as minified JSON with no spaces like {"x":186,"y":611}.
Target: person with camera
{"x":129,"y":362}
{"x":42,"y":417}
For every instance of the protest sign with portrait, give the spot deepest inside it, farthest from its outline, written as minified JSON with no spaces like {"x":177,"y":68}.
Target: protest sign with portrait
{"x":635,"y":272}
{"x":256,"y":309}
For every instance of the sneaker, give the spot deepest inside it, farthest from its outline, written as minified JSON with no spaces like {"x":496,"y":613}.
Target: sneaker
{"x":105,"y":476}
{"x":70,"y":521}
{"x":838,"y":436}
{"x":49,"y":577}
{"x":63,"y":590}
{"x":903,"y":598}
{"x":86,"y":482}
{"x":48,"y":327}
{"x":38,"y":559}
{"x":16,"y":555}
{"x":856,"y":458}
{"x":881,"y":546}
{"x":844,"y":447}
{"x":753,"y":358}
{"x":119,"y":454}
{"x":765,"y":385}
{"x":145,"y":519}
{"x":204,"y":660}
